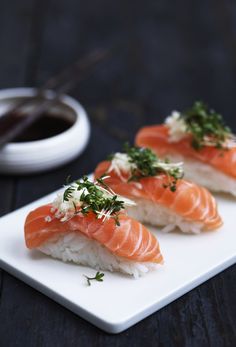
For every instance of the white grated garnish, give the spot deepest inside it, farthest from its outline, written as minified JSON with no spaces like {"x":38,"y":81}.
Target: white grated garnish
{"x":230,"y":142}
{"x":177,"y":127}
{"x":120,"y":163}
{"x":48,"y":219}
{"x":170,"y":166}
{"x":64,"y":210}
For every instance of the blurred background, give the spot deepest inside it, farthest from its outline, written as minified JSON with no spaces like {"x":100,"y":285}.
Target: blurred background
{"x":170,"y":54}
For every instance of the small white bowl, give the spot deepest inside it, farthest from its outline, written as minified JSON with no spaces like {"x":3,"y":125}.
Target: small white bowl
{"x":41,"y":155}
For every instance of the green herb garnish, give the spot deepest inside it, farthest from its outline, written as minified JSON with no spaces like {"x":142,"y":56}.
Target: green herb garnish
{"x":206,"y":126}
{"x":100,"y":180}
{"x":98,"y":277}
{"x":144,"y":160}
{"x":110,"y":156}
{"x":147,"y":164}
{"x":95,"y":197}
{"x":68,"y":193}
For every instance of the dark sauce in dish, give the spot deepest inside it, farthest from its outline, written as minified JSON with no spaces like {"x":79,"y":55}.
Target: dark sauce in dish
{"x":46,"y":126}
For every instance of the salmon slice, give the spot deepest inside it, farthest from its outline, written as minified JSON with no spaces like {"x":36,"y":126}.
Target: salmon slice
{"x":130,"y":239}
{"x":193,"y":202}
{"x":156,"y":138}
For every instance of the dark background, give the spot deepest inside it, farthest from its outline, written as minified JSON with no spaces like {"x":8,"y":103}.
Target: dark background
{"x":173,"y":53}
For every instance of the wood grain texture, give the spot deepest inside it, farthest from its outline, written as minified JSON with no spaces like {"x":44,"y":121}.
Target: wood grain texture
{"x":15,"y":25}
{"x":172,"y":53}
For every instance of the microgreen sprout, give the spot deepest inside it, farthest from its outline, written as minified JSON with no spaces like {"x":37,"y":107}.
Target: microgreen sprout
{"x":206,"y":127}
{"x":143,"y":162}
{"x":147,"y":164}
{"x":98,"y":277}
{"x":96,"y":197}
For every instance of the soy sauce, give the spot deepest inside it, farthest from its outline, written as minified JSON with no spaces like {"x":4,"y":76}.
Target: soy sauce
{"x":46,"y":126}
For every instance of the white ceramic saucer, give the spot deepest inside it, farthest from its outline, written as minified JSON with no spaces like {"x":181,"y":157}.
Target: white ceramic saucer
{"x":41,"y":155}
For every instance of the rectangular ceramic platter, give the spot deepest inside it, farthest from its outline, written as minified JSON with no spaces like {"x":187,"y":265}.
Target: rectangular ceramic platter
{"x":120,"y":301}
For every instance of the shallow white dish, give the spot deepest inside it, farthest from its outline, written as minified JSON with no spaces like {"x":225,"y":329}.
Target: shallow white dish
{"x":42,"y":155}
{"x":120,"y":301}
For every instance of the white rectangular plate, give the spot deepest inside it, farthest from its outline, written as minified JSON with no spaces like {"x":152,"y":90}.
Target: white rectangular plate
{"x":120,"y":301}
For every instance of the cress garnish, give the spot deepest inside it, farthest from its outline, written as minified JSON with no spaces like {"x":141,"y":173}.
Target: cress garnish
{"x":98,"y":277}
{"x":204,"y":124}
{"x":143,"y":162}
{"x":84,"y":196}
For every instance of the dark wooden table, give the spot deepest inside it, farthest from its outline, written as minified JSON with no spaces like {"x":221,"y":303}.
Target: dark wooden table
{"x":173,"y":53}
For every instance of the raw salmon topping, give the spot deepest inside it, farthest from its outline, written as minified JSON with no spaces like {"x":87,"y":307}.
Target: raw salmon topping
{"x":189,"y":200}
{"x":130,"y":239}
{"x":156,"y":137}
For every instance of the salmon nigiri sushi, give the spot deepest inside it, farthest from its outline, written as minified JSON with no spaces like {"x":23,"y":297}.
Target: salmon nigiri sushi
{"x":162,"y":196}
{"x":199,"y":138}
{"x":87,"y":224}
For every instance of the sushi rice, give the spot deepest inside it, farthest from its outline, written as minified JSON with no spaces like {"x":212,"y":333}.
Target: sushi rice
{"x":74,"y":247}
{"x":157,"y":215}
{"x":206,"y":175}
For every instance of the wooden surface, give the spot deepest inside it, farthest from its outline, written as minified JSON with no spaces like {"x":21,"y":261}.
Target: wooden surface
{"x":173,"y":53}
